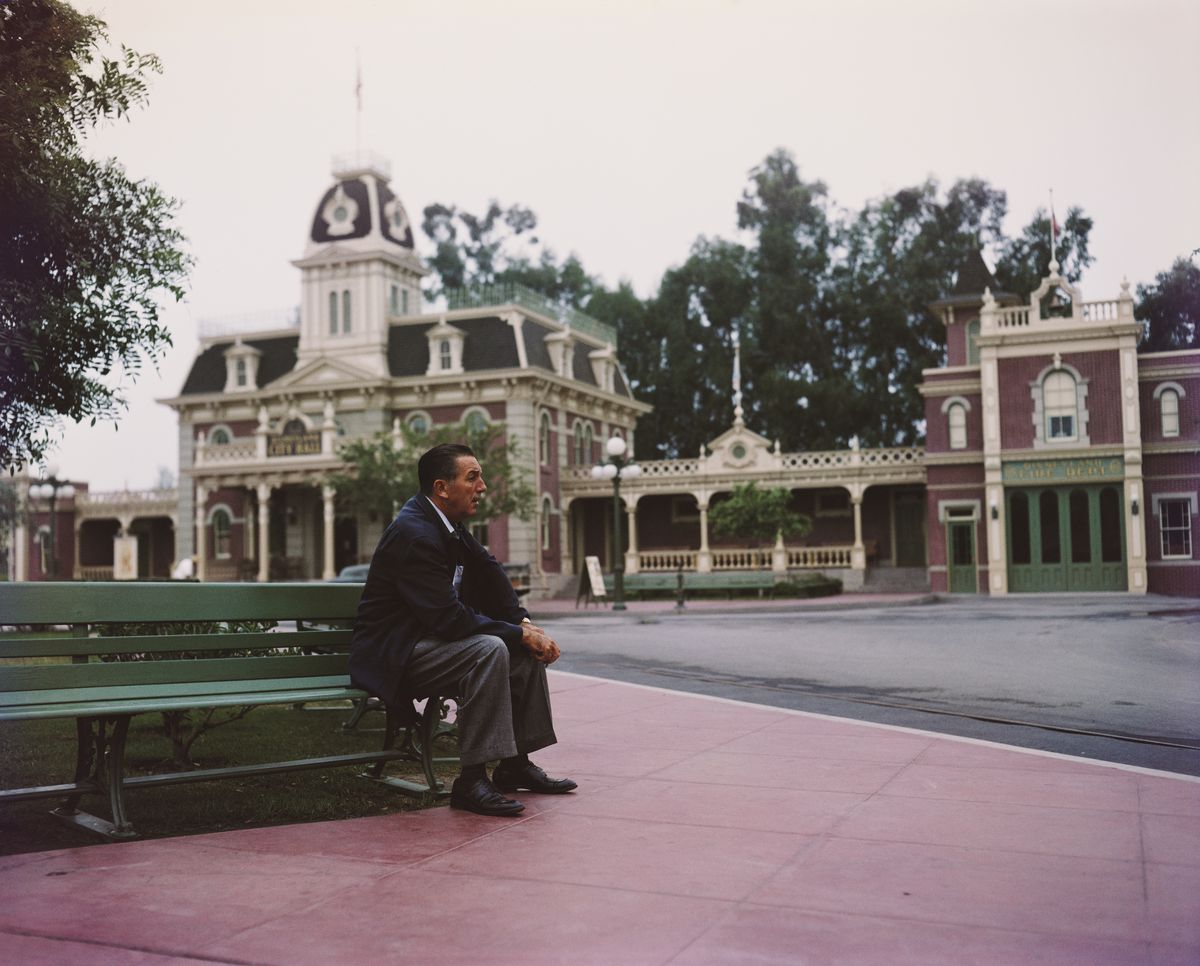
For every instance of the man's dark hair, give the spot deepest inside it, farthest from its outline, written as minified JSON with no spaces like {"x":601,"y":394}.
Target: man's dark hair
{"x":440,"y":463}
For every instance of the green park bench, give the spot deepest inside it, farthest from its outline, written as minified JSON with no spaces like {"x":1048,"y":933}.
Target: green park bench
{"x":55,"y":664}
{"x":723,"y":581}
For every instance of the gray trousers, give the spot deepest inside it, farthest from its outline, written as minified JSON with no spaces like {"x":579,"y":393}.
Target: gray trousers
{"x":503,"y":698}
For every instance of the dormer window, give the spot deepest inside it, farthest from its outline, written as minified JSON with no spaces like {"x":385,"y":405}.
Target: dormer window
{"x":445,"y":349}
{"x":241,"y":367}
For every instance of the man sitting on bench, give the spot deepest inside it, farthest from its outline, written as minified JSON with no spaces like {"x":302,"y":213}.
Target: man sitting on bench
{"x":439,"y":616}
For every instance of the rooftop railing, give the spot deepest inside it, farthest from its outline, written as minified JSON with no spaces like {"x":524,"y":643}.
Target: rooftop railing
{"x":506,"y":293}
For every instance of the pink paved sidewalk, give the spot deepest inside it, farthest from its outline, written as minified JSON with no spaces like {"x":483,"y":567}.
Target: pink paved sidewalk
{"x":704,"y":831}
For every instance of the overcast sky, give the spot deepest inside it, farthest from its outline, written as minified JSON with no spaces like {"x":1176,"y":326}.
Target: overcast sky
{"x":630,"y":128}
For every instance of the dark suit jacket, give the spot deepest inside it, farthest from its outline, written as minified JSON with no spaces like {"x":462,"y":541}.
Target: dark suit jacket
{"x":409,"y":596}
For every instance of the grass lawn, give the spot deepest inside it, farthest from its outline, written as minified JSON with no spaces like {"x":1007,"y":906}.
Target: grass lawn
{"x":43,"y":753}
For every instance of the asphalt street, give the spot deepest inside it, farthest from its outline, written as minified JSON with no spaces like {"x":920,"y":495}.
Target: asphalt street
{"x":1115,"y":678}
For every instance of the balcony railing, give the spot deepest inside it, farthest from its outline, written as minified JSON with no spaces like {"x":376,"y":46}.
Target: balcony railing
{"x":745,"y":558}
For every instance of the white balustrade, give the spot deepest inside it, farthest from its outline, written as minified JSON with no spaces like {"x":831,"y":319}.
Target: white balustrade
{"x":815,"y":558}
{"x":659,"y":561}
{"x":1107,"y":310}
{"x":1012,"y":318}
{"x":96,"y":573}
{"x":242,"y":450}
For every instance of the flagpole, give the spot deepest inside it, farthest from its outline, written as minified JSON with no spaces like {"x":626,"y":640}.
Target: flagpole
{"x":1053,"y":236}
{"x":358,"y":104}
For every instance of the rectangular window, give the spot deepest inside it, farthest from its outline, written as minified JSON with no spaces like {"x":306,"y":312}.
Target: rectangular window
{"x":395,"y":299}
{"x":333,"y":323}
{"x":1175,"y":527}
{"x":404,"y":301}
{"x":346,"y":311}
{"x":241,"y":372}
{"x":1062,"y":427}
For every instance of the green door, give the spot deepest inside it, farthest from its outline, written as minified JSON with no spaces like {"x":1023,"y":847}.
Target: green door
{"x":1066,"y":539}
{"x":960,"y":558}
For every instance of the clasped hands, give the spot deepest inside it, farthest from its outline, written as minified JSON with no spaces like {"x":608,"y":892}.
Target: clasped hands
{"x":539,"y":644}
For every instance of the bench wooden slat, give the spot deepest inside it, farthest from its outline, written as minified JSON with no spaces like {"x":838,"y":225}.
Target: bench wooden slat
{"x":150,"y":696}
{"x":105,"y":602}
{"x":169,"y":643}
{"x":199,"y":671}
{"x":142,"y":704}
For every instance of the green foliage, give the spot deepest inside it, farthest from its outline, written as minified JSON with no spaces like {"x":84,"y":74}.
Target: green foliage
{"x":1023,"y":261}
{"x":85,"y":252}
{"x":381,"y":476}
{"x":757,"y":515}
{"x":1170,"y":308}
{"x":183,"y":727}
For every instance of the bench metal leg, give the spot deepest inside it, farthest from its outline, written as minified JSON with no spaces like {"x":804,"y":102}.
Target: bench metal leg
{"x":361,"y":707}
{"x":102,"y":754}
{"x":416,"y":745}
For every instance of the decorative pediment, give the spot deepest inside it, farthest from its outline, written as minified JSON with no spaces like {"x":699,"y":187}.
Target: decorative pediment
{"x":739,"y":448}
{"x":322,"y":372}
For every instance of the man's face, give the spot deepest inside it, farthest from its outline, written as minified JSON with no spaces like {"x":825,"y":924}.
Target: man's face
{"x":459,"y":498}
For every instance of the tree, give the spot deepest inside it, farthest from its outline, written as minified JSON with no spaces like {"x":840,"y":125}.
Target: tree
{"x":85,"y":252}
{"x":1170,"y":308}
{"x":381,"y":476}
{"x":757,"y":515}
{"x":1023,"y":262}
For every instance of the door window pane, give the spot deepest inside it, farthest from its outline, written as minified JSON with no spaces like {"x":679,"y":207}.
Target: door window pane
{"x":1110,"y":525}
{"x":961,"y":548}
{"x":1048,"y":510}
{"x":1019,"y":515}
{"x":1081,"y":530}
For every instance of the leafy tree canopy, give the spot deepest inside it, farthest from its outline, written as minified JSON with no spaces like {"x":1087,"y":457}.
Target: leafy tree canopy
{"x":831,"y":307}
{"x":85,"y":252}
{"x":757,"y":515}
{"x":381,"y":475}
{"x":1170,"y":308}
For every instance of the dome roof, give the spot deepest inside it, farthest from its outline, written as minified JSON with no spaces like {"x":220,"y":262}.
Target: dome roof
{"x":360,"y":211}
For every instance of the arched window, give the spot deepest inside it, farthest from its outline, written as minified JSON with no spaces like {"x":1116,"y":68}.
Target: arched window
{"x":579,"y":457}
{"x":219,"y":436}
{"x":222,"y":525}
{"x":419,"y":423}
{"x":444,"y":357}
{"x":1168,"y":410}
{"x":43,"y":543}
{"x":588,"y":443}
{"x":346,"y":311}
{"x":544,"y":439}
{"x":956,"y":416}
{"x":476,"y":422}
{"x":547,"y":513}
{"x":294,"y":427}
{"x":333,"y":314}
{"x":1060,"y":406}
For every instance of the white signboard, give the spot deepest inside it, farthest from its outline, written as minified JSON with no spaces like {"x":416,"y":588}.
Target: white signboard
{"x":595,"y":576}
{"x":125,"y":558}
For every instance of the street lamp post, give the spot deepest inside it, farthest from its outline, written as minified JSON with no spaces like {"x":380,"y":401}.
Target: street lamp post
{"x":616,"y":469}
{"x":51,"y":488}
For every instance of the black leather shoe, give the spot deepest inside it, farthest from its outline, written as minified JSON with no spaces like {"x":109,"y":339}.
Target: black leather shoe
{"x":481,"y":797}
{"x":531,"y":778}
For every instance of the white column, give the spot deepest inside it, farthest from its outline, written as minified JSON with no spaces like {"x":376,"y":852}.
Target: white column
{"x":566,"y":537}
{"x":327,"y":494}
{"x":264,"y":537}
{"x":201,"y":533}
{"x":858,"y":556}
{"x":704,"y":557}
{"x":779,"y":555}
{"x":631,"y":553}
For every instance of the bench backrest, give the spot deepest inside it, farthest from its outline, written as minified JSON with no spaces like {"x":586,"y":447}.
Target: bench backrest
{"x":54,"y":635}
